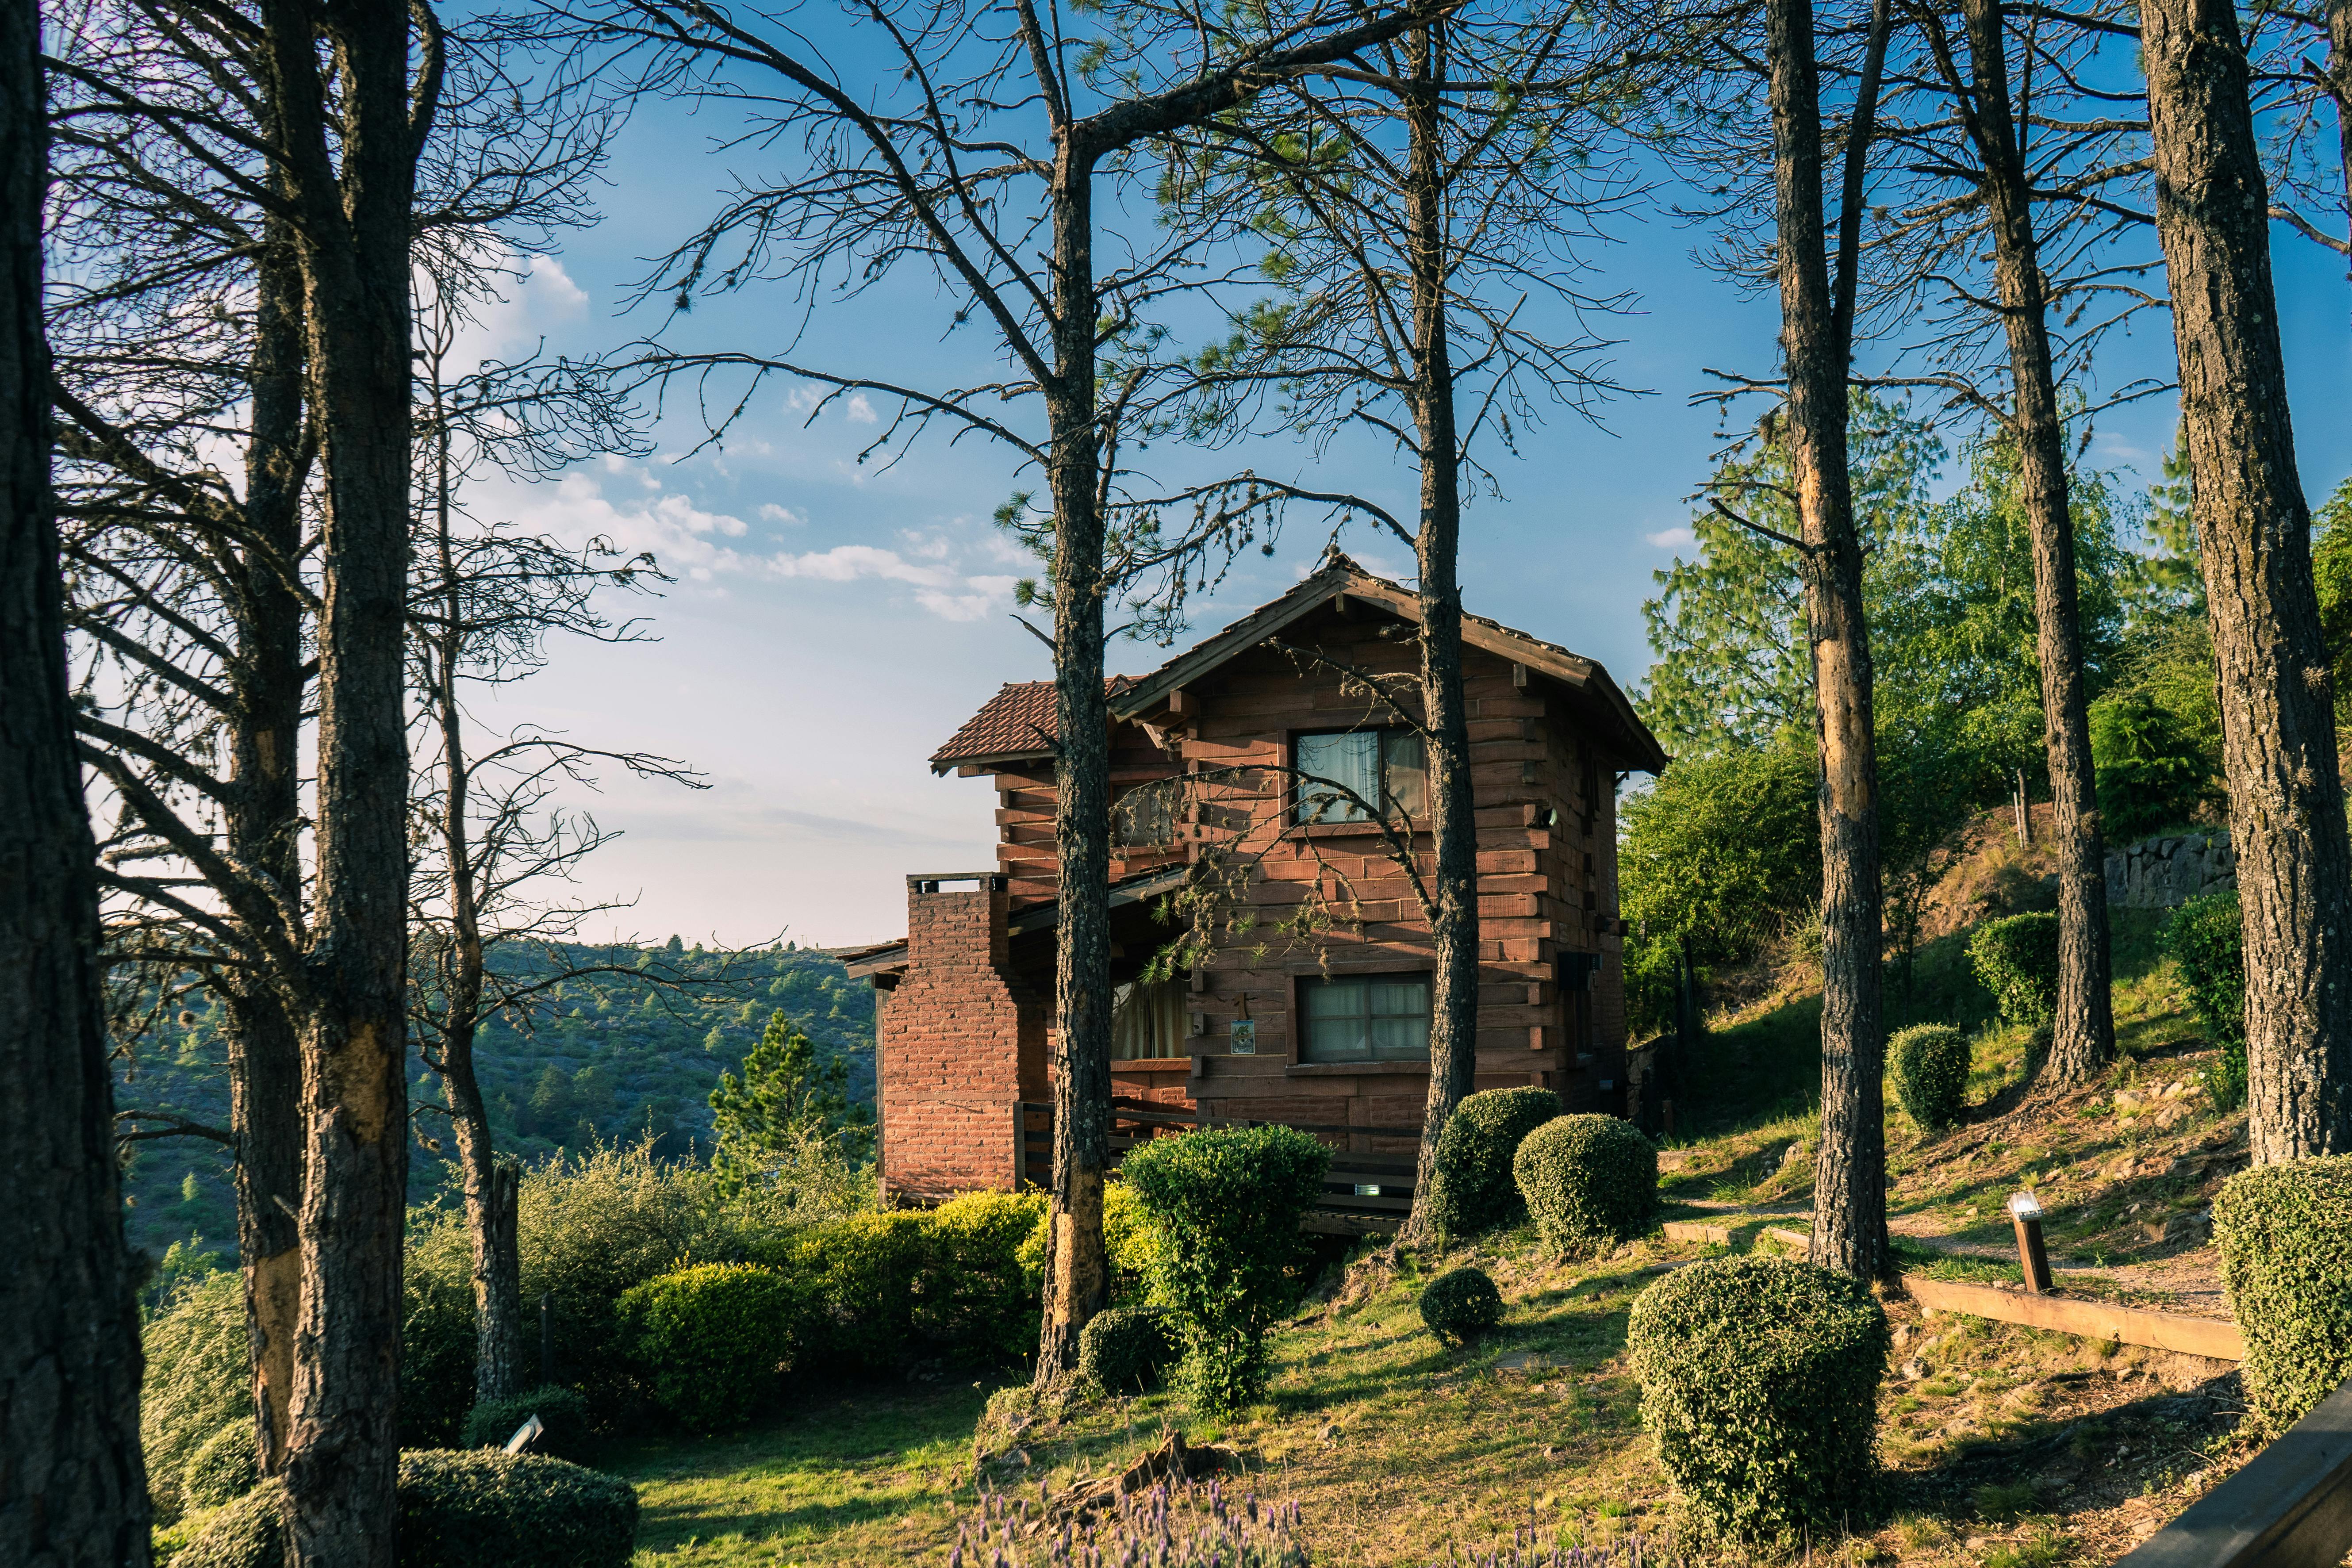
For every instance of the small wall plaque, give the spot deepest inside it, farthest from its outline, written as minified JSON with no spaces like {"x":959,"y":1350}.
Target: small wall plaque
{"x":1244,"y":1037}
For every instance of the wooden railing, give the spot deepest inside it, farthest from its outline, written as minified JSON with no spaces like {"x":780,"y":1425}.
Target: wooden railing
{"x":1363,"y":1194}
{"x":2289,"y":1507}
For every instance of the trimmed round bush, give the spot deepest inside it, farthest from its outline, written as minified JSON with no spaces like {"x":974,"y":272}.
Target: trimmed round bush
{"x":1590,"y":1181}
{"x":2016,"y":958}
{"x":1461,"y":1304}
{"x":458,"y":1508}
{"x":1125,"y":1348}
{"x":562,"y":1412}
{"x":2207,"y":939}
{"x":713,"y":1340}
{"x":1224,"y":1203}
{"x":1475,"y":1189}
{"x":2284,"y":1233}
{"x":225,"y":1469}
{"x":1760,"y":1382}
{"x":1930,"y":1063}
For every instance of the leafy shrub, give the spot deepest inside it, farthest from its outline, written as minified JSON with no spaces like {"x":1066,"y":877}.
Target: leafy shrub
{"x":1590,"y":1181}
{"x":1128,"y":1237}
{"x":863,"y":1274}
{"x":437,"y":1342}
{"x":2016,"y":959}
{"x":1125,"y":1348}
{"x":2207,"y":938}
{"x":1226,"y":1203}
{"x":2284,"y":1233}
{"x":2152,"y":769}
{"x":562,"y":1414}
{"x":482,"y":1508}
{"x":1760,"y":1381}
{"x":1475,"y":1189}
{"x":1930,"y":1067}
{"x":1461,"y":1304}
{"x":713,"y":1340}
{"x":473,"y":1508}
{"x":224,"y":1468}
{"x":978,"y":1293}
{"x":198,"y":1379}
{"x":1196,"y":1526}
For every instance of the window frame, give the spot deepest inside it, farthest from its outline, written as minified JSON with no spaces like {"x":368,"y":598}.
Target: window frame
{"x":1303,"y":985}
{"x":1295,"y":803}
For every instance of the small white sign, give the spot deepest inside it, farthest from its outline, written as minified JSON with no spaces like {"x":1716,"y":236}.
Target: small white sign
{"x":1244,"y":1037}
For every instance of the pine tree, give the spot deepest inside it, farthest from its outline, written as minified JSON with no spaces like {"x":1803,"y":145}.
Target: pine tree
{"x":786,"y":1100}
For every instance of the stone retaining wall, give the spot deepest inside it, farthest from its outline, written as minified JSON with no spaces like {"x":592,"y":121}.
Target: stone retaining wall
{"x":2159,"y":873}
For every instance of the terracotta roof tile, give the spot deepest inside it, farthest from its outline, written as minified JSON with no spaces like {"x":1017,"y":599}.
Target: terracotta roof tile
{"x":1017,"y":721}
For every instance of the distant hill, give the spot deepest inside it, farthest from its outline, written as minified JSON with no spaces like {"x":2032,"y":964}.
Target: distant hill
{"x":611,"y":1057}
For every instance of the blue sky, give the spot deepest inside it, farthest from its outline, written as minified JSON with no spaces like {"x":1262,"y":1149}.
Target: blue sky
{"x":831,"y":625}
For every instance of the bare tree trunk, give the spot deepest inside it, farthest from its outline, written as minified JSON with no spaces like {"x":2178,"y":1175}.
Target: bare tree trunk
{"x":1850,"y":1182}
{"x":2339,"y":75}
{"x":73,"y":1486}
{"x":352,"y":222}
{"x":1453,"y":925}
{"x":2084,"y":1029}
{"x":263,"y":824}
{"x":1078,"y":1275}
{"x":2286,"y":798}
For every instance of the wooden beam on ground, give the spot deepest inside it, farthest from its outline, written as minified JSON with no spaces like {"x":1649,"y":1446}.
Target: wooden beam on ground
{"x":2289,"y":1507}
{"x":1697,"y":1230}
{"x":2215,"y":1338}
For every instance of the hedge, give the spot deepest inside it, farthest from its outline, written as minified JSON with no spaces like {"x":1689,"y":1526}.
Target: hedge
{"x":225,"y":1469}
{"x":1929,"y":1064}
{"x":2207,"y":939}
{"x":1125,"y":1348}
{"x":1760,"y":1382}
{"x":1225,"y":1204}
{"x":1475,"y":1189}
{"x":2284,"y":1233}
{"x":1590,"y":1181}
{"x":713,"y":1340}
{"x":1461,"y":1304}
{"x":458,"y":1508}
{"x":2016,"y":958}
{"x":978,"y":1291}
{"x":864,"y":1276}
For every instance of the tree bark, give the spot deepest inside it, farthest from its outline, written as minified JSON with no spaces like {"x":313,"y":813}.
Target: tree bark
{"x":262,"y":826}
{"x":1849,"y":1230}
{"x":1454,"y":928}
{"x":2084,"y":1031}
{"x":352,"y":221}
{"x":1078,"y":1275}
{"x":73,"y":1486}
{"x":2286,"y":798}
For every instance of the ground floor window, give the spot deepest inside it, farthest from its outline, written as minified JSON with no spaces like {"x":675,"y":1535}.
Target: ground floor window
{"x":1146,"y":1020}
{"x":1365,"y":1018}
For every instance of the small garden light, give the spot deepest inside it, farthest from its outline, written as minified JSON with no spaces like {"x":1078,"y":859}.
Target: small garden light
{"x":2025,"y":1212}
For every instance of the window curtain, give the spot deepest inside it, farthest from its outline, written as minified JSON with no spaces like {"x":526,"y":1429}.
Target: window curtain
{"x":1352,"y":760}
{"x":1146,"y":1021}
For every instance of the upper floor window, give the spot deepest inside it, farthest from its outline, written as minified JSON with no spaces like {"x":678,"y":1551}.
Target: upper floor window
{"x":1365,"y":1018}
{"x":1383,"y":768}
{"x":1145,"y":816}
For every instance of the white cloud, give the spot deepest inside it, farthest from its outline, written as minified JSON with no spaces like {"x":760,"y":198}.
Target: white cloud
{"x":860,"y":411}
{"x":771,"y":512}
{"x":1670,"y":538}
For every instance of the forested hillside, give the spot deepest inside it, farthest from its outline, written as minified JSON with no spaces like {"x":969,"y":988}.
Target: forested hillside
{"x":611,"y":1056}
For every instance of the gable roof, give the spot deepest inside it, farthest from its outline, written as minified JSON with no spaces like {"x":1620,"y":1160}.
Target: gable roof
{"x":1019,"y":721}
{"x":1605,"y":705}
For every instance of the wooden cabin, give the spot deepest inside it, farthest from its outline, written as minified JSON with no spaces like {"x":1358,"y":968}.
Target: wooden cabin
{"x":1254,"y":765}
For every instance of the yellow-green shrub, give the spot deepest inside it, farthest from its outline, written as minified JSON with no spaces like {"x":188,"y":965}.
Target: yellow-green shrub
{"x":2284,"y":1233}
{"x":1475,"y":1190}
{"x":862,"y":1274}
{"x":712,"y":1342}
{"x":1590,"y":1181}
{"x":979,"y":1294}
{"x":198,"y":1379}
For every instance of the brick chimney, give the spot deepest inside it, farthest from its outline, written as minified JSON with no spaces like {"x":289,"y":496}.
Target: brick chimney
{"x":962,"y":1042}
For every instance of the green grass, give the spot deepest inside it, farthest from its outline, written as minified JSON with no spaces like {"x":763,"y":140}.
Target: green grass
{"x":866,"y":1475}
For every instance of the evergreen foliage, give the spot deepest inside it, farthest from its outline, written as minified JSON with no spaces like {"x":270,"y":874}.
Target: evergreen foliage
{"x":1461,"y":1304}
{"x":788,"y":1102}
{"x":2016,"y":959}
{"x":2207,"y":938}
{"x":1475,"y":1190}
{"x":1590,"y":1181}
{"x":1226,"y":1203}
{"x":1760,"y":1381}
{"x":2284,"y":1234}
{"x":1929,"y":1065}
{"x":713,"y":1340}
{"x":1125,"y":1348}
